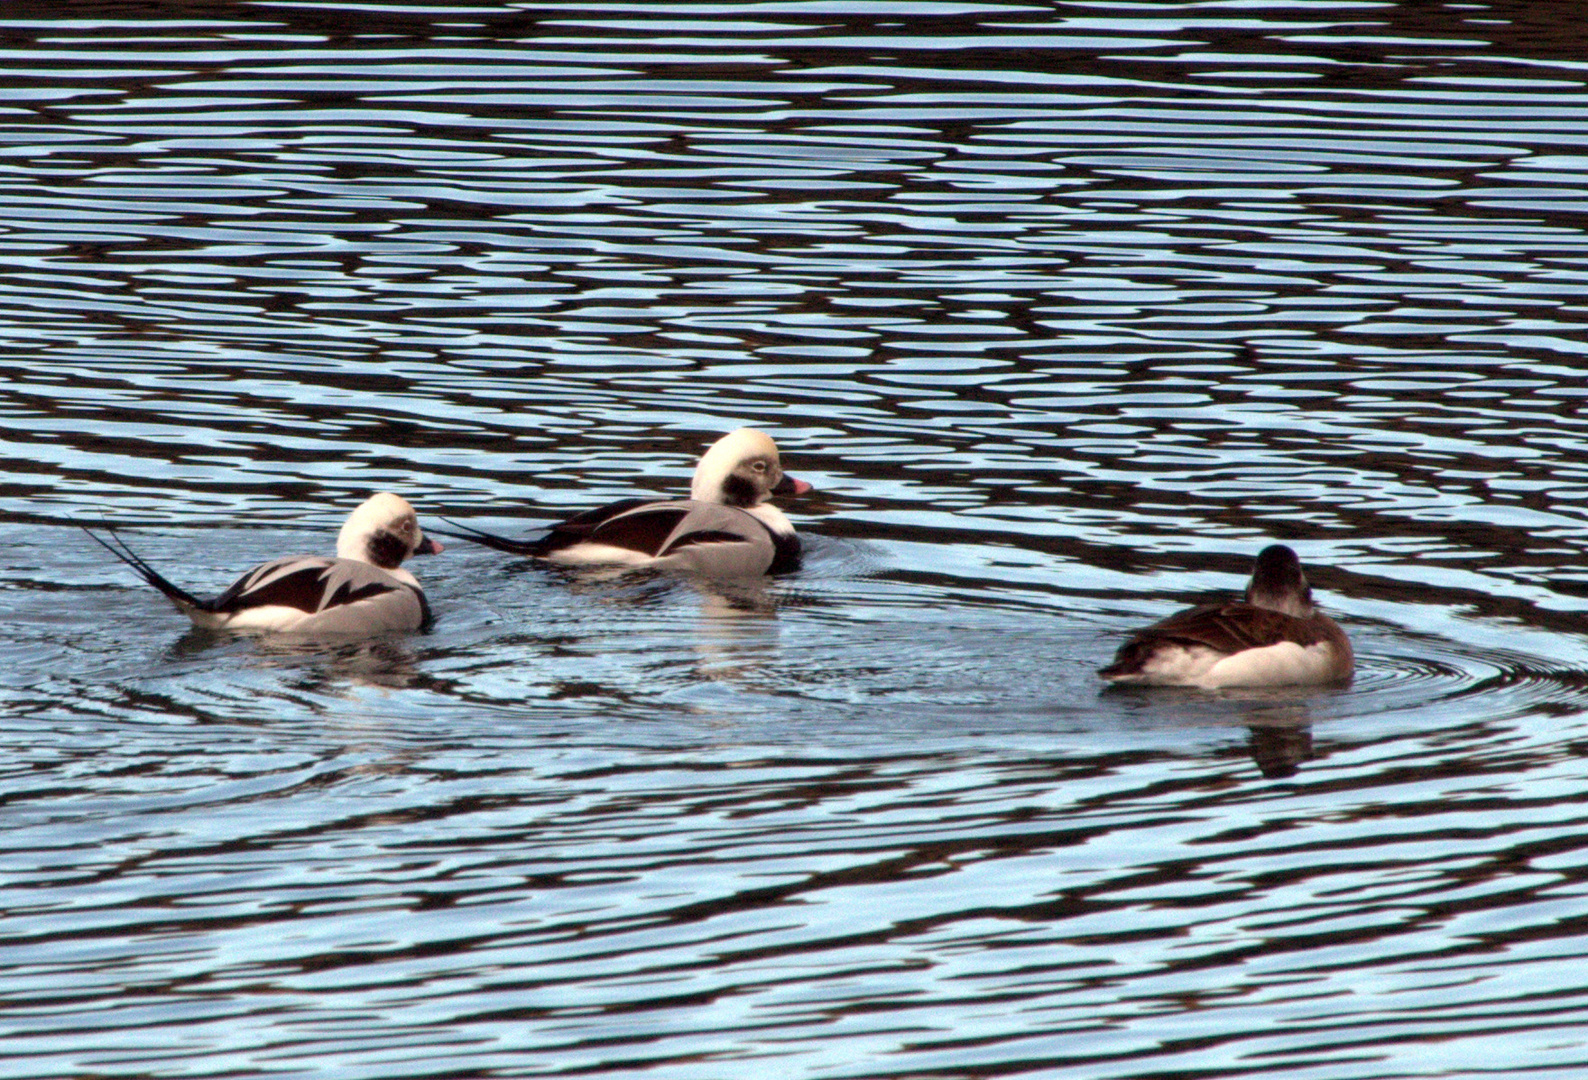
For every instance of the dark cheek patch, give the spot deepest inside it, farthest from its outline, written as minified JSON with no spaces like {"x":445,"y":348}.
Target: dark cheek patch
{"x":387,"y":550}
{"x":737,"y":491}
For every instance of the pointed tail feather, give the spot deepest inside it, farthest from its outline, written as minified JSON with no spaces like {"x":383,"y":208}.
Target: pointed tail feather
{"x":490,"y":540}
{"x":176,"y":594}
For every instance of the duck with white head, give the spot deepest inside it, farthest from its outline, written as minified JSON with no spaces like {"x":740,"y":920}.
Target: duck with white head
{"x":726,"y":528}
{"x":364,"y":590}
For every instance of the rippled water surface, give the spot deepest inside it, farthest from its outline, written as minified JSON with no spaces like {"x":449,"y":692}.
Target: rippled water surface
{"x":1065,"y":309}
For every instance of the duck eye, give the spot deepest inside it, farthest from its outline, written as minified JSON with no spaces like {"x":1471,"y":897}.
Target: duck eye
{"x":758,"y":466}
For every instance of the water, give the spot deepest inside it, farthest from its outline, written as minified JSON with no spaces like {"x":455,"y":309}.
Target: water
{"x":1066,"y":310}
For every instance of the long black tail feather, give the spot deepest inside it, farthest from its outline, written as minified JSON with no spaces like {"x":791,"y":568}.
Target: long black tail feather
{"x":120,"y":550}
{"x":491,"y":540}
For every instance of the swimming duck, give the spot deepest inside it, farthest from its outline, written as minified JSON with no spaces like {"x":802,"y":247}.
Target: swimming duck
{"x":1275,"y":636}
{"x":364,"y":590}
{"x":726,"y":528}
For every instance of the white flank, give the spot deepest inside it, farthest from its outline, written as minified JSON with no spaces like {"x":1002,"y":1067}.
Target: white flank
{"x":1285,"y":664}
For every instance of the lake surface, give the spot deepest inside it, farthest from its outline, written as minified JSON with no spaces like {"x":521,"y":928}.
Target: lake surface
{"x":1066,"y":310}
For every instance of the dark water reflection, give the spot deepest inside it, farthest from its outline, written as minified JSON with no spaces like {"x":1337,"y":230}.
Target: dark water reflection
{"x":1066,"y":310}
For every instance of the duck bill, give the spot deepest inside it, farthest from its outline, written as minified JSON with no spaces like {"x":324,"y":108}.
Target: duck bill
{"x":790,"y":486}
{"x":428,"y":546}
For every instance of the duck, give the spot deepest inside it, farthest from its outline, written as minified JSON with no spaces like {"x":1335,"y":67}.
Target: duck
{"x":726,"y":528}
{"x":364,"y":590}
{"x":1274,"y":636}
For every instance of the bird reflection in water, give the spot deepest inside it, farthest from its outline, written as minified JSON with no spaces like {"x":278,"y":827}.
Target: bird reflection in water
{"x":738,"y":632}
{"x":1279,"y":749}
{"x":324,"y":663}
{"x":1278,"y":721}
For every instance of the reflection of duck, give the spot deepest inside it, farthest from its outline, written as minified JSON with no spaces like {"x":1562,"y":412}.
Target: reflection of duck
{"x":1273,"y":637}
{"x":364,"y":590}
{"x":316,"y":667}
{"x":1279,"y":750}
{"x":725,"y":528}
{"x":736,"y":638}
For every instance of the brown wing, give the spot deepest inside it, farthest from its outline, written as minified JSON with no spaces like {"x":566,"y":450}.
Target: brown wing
{"x":1227,"y":628}
{"x":644,"y":529}
{"x":1232,"y":626}
{"x":658,"y":529}
{"x":308,"y":583}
